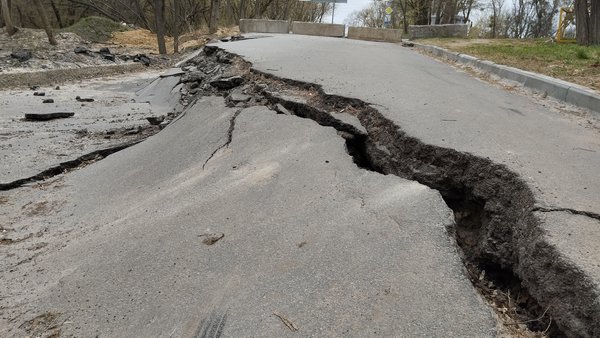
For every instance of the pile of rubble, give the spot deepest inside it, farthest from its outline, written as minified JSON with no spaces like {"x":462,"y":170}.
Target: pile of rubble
{"x":28,"y":51}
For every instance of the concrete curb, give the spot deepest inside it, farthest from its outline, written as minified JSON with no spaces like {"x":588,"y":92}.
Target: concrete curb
{"x":562,"y":90}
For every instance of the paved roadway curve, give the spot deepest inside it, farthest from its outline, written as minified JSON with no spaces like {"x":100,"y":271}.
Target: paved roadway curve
{"x":556,"y":152}
{"x":118,"y":247}
{"x":301,"y":232}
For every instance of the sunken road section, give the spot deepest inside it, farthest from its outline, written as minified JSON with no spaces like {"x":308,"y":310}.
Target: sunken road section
{"x":504,"y":250}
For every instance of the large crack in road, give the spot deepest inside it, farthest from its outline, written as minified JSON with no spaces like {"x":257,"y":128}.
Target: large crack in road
{"x":503,"y":247}
{"x":509,"y":262}
{"x":62,"y":167}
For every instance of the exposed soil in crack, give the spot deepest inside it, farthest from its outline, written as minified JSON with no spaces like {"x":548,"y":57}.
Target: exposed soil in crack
{"x":529,"y":284}
{"x":79,"y":162}
{"x":229,"y":137}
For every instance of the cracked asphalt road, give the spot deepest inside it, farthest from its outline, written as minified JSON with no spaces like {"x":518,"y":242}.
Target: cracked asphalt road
{"x":243,"y":222}
{"x":555,"y":151}
{"x":27,"y":148}
{"x":558,"y":153}
{"x":304,"y":235}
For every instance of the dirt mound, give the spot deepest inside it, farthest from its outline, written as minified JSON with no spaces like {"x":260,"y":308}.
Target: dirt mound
{"x":43,"y":54}
{"x":96,"y":29}
{"x":145,"y":40}
{"x":35,"y":39}
{"x":139,"y":39}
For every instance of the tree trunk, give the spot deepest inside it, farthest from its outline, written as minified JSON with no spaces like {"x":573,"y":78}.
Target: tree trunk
{"x":143,"y":21}
{"x":404,"y":16}
{"x":257,"y":9}
{"x":595,"y":23}
{"x":45,"y":22}
{"x":176,"y":25}
{"x":213,"y":24}
{"x":468,"y":10}
{"x":229,"y":13}
{"x":582,"y":23}
{"x":159,"y":14}
{"x":242,"y":9}
{"x":61,"y":24}
{"x":10,"y":28}
{"x":422,"y":12}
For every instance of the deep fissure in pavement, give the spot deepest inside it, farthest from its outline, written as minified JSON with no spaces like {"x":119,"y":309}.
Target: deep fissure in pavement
{"x":489,"y":270}
{"x":497,"y":230}
{"x":68,"y":165}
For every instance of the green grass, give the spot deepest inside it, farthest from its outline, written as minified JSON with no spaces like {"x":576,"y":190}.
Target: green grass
{"x":582,"y":54}
{"x":568,"y":61}
{"x":95,"y":28}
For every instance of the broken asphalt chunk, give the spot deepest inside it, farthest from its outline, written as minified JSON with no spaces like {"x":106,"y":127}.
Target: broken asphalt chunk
{"x":80,"y":99}
{"x":210,"y":50}
{"x":81,"y":50}
{"x":109,"y":57}
{"x":227,"y":83}
{"x":155,"y":120}
{"x":238,"y":96}
{"x":39,"y":94}
{"x":48,"y":101}
{"x":21,"y":55}
{"x":224,"y":57}
{"x":172,"y":72}
{"x":143,"y":59}
{"x":196,"y":76}
{"x":280,"y":109}
{"x":48,"y":116}
{"x":106,"y":54}
{"x":210,"y":239}
{"x":133,"y":131}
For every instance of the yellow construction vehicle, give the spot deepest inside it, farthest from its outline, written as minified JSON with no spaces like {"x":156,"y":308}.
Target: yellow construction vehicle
{"x":566,"y":20}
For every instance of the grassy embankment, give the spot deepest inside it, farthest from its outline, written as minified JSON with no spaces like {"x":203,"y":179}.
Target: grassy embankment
{"x":566,"y":61}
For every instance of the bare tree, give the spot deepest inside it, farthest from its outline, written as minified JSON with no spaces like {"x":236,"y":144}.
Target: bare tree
{"x":176,"y":25}
{"x":403,"y":7}
{"x":45,"y":22}
{"x":595,"y":23}
{"x":496,"y":6}
{"x":520,"y":18}
{"x":10,"y":28}
{"x":542,"y":22}
{"x":582,"y":23}
{"x":421,"y":11}
{"x":213,"y":23}
{"x":57,"y":14}
{"x":467,"y":7}
{"x":159,"y":16}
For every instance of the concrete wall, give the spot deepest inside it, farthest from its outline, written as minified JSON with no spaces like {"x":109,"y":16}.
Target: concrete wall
{"x":320,"y":29}
{"x":438,"y":31}
{"x":375,"y":34}
{"x":264,"y":26}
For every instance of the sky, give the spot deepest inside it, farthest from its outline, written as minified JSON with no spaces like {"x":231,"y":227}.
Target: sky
{"x":342,"y":11}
